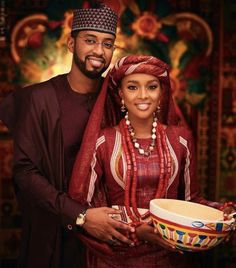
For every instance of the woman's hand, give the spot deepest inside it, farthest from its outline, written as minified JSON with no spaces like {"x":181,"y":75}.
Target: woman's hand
{"x":229,"y":210}
{"x":100,"y":225}
{"x":145,"y":232}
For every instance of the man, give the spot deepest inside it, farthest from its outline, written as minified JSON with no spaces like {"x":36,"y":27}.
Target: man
{"x":47,"y":123}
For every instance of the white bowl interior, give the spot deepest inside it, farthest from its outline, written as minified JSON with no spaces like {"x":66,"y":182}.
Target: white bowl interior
{"x":188,"y":209}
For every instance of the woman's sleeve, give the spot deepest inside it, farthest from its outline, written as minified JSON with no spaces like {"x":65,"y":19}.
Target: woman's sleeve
{"x":96,"y":186}
{"x":189,"y":173}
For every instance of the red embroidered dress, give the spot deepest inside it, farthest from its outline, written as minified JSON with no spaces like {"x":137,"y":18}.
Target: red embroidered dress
{"x":108,"y":168}
{"x":100,"y":168}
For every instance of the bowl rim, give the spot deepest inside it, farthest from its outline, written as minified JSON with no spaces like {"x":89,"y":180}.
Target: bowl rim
{"x":190,"y":228}
{"x":187,"y":217}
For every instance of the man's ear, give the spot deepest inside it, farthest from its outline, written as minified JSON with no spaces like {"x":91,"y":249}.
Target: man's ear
{"x":71,"y":44}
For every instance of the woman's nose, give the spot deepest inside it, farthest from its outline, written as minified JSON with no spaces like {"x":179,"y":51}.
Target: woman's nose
{"x":142,"y":93}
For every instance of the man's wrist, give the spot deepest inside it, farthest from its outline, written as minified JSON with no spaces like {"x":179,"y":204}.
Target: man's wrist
{"x":80,"y":220}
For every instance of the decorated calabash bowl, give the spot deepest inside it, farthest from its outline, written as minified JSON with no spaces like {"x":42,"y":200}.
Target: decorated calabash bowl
{"x":189,"y":226}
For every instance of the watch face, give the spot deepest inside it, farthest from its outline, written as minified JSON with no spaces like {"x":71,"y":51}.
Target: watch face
{"x":80,"y":220}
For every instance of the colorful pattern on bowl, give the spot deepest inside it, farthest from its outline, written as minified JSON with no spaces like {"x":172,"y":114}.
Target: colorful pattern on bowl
{"x":191,"y":238}
{"x":189,"y":226}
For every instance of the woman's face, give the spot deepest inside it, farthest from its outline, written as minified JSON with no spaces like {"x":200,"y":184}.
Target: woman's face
{"x":141,"y":94}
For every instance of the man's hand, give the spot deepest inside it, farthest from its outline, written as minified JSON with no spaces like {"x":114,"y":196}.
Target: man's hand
{"x":100,"y":225}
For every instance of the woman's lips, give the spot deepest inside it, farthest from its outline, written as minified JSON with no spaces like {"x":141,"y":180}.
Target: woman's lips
{"x":142,"y":106}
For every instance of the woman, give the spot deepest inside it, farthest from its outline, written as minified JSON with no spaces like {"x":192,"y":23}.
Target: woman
{"x":146,"y":155}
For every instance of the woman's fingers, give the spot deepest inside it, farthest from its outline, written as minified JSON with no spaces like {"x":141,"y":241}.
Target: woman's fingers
{"x":165,"y":244}
{"x":157,"y":238}
{"x":148,"y":233}
{"x":120,"y":237}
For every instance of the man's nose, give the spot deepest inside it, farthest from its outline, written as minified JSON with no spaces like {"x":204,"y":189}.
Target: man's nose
{"x":98,"y":48}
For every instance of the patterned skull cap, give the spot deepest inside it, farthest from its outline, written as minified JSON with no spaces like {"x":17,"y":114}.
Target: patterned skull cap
{"x":101,"y":19}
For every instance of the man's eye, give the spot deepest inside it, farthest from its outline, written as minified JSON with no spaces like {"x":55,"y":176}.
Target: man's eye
{"x":90,"y":41}
{"x":107,"y":45}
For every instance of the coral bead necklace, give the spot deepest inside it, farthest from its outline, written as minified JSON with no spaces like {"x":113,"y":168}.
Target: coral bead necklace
{"x":129,"y":143}
{"x":134,"y":139}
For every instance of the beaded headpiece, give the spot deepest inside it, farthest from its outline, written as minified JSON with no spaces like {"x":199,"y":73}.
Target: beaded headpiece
{"x":101,"y":19}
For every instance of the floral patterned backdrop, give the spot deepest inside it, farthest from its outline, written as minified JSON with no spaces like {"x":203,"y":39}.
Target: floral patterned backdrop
{"x":191,"y":36}
{"x":182,"y":39}
{"x":228,"y":119}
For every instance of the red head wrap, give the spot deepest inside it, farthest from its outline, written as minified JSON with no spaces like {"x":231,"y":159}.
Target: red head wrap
{"x":146,"y":65}
{"x":138,"y":64}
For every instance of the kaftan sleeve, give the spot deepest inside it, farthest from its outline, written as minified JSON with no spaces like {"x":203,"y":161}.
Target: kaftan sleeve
{"x":191,"y":189}
{"x":37,"y":162}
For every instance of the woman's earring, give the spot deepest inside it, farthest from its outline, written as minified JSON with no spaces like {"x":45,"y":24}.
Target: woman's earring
{"x":123,"y":108}
{"x":158,"y":109}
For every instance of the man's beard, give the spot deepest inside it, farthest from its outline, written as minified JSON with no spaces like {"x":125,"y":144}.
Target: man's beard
{"x":82,"y":67}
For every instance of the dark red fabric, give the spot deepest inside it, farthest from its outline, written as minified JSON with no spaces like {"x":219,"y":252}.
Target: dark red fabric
{"x":75,"y":111}
{"x":109,"y":117}
{"x":106,"y":112}
{"x":33,"y":115}
{"x":83,"y":159}
{"x":105,"y":165}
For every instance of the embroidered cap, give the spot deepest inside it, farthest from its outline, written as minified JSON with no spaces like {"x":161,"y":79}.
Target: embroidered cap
{"x":101,"y":19}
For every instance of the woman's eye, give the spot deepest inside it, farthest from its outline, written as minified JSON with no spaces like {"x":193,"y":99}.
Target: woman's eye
{"x":131,"y":87}
{"x":152,"y":87}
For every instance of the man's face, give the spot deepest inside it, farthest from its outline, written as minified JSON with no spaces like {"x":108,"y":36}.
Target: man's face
{"x":92,"y":52}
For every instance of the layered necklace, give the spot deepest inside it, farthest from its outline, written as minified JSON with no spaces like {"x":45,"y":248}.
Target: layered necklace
{"x":134,"y":139}
{"x":130,"y":144}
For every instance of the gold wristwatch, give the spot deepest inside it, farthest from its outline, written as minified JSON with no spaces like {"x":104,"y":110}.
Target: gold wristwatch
{"x":81,"y":218}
